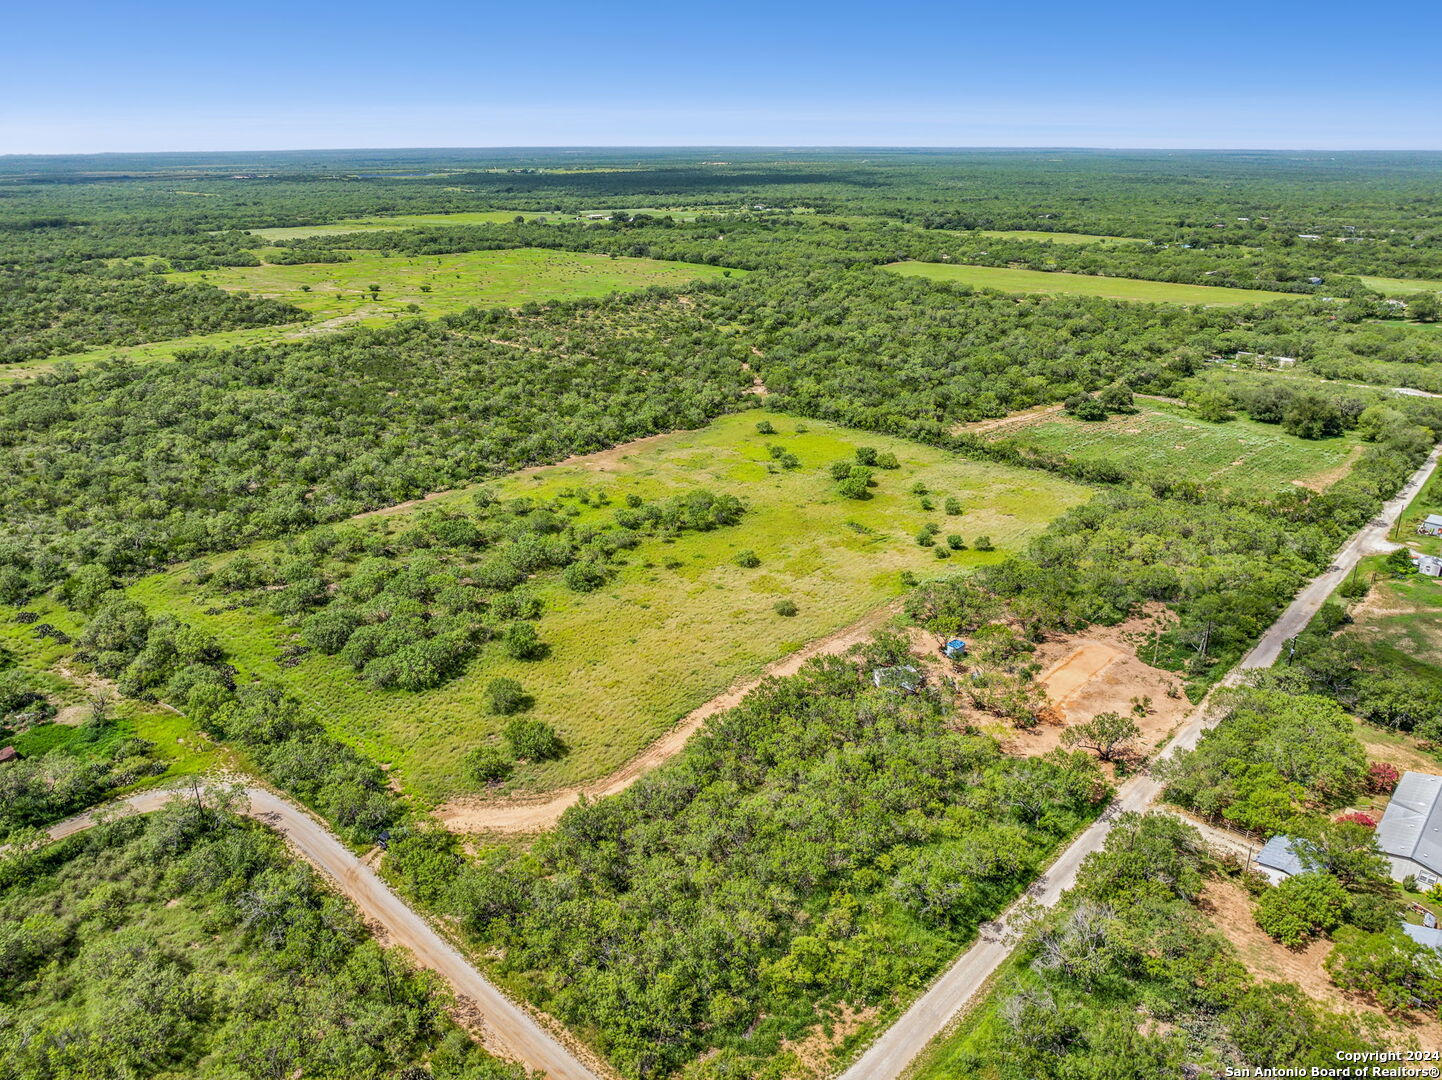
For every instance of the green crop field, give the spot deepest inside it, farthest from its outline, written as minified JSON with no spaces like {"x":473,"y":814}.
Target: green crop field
{"x":1401,"y":286}
{"x":681,"y":622}
{"x":1113,"y":288}
{"x":1057,"y":237}
{"x":1240,"y":455}
{"x":338,"y":295}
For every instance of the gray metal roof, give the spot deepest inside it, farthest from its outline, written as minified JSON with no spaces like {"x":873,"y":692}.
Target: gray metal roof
{"x":1431,"y":936}
{"x":1432,"y":519}
{"x":1279,"y":853}
{"x":1412,"y":826}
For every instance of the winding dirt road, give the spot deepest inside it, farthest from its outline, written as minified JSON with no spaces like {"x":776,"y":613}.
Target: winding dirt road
{"x":510,"y":1030}
{"x":513,"y":816}
{"x":892,"y":1053}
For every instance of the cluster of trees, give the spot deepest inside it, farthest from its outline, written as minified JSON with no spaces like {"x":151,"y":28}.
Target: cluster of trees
{"x":1126,"y":979}
{"x":407,"y":601}
{"x":188,"y":943}
{"x":100,"y":757}
{"x":52,"y":313}
{"x":134,"y":466}
{"x":1278,"y":756}
{"x":824,"y":842}
{"x":151,"y":658}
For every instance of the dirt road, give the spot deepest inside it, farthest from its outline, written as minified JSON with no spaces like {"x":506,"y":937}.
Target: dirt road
{"x":890,"y":1055}
{"x":510,"y":1030}
{"x":510,"y":816}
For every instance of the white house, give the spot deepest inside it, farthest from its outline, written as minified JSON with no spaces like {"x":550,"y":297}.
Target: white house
{"x":1431,"y":525}
{"x":1410,"y":832}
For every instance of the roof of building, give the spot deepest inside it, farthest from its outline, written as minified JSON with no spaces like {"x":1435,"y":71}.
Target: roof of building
{"x":1412,"y":826}
{"x":1432,"y":519}
{"x":1280,"y":853}
{"x":1431,"y":936}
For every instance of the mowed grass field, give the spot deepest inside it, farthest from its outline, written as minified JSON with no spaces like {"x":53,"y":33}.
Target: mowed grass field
{"x":511,"y":276}
{"x":1401,"y":286}
{"x":681,"y":622}
{"x":1240,"y":455}
{"x":1040,"y":281}
{"x":338,"y":295}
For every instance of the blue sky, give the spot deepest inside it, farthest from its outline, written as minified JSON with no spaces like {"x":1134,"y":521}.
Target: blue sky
{"x":262,"y":75}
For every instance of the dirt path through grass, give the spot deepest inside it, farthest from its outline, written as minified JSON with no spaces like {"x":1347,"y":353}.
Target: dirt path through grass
{"x":513,"y":816}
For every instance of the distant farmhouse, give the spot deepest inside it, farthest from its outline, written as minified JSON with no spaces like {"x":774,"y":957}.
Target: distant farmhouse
{"x":1410,"y":832}
{"x":1431,"y":525}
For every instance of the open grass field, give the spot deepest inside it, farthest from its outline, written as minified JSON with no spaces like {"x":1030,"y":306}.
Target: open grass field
{"x":1057,"y":237}
{"x":681,"y":622}
{"x":1401,"y":619}
{"x":1006,"y":279}
{"x":1401,"y":286}
{"x":336,"y":294}
{"x":1240,"y":455}
{"x":469,"y":217}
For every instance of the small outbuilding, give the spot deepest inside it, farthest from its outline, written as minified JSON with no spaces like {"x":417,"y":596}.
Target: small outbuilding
{"x":1429,"y":936}
{"x":1431,"y":525}
{"x":1279,"y":859}
{"x":1410,"y":832}
{"x":954,"y":649}
{"x":1427,"y":565}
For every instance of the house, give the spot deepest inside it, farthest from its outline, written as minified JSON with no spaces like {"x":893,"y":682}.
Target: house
{"x":1286,"y":361}
{"x":8,"y":753}
{"x":1431,"y":525}
{"x":904,"y":679}
{"x":1427,"y":565}
{"x":1279,"y":859}
{"x":1314,"y":280}
{"x":954,"y":649}
{"x":1410,"y":832}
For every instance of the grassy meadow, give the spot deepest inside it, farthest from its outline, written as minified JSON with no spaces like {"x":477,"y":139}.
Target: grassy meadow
{"x":1006,"y":279}
{"x":1401,"y":286}
{"x":1239,"y":455}
{"x":336,"y":295}
{"x":463,"y":217}
{"x":681,"y":621}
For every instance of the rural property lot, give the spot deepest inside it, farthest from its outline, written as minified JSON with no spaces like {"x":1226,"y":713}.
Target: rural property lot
{"x":1239,"y":455}
{"x":473,"y":217}
{"x":337,"y":295}
{"x":1113,"y":288}
{"x":682,"y":621}
{"x":1057,"y":237}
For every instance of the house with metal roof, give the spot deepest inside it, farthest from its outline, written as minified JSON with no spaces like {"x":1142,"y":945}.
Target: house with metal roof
{"x":1279,"y":859}
{"x":1410,"y":832}
{"x":1431,"y":525}
{"x":1427,"y":565}
{"x":1429,"y":936}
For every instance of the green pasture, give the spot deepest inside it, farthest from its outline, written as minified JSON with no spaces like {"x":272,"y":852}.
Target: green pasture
{"x":1239,"y":455}
{"x":1401,"y":286}
{"x":1006,"y":279}
{"x":338,"y":295}
{"x":464,"y":217}
{"x":681,"y":622}
{"x":1056,"y":237}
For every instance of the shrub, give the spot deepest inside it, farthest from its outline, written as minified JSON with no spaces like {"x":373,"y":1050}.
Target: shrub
{"x":765,"y":427}
{"x":327,"y":631}
{"x":983,"y":543}
{"x":1302,"y":907}
{"x":955,"y":542}
{"x":585,"y":575}
{"x":1382,"y":777}
{"x":786,"y":607}
{"x":487,"y":764}
{"x":522,"y":642}
{"x":839,"y":470}
{"x":1356,"y":817}
{"x":854,"y":488}
{"x":941,"y":552}
{"x":747,"y":559}
{"x":953,"y":505}
{"x":533,"y":740}
{"x":506,"y":696}
{"x":887,"y":461}
{"x":866,"y":455}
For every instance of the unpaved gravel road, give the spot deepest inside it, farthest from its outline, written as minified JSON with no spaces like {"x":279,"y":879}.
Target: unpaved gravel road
{"x":889,"y":1056}
{"x":510,"y":1030}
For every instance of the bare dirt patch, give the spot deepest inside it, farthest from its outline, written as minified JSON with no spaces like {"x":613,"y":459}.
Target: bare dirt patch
{"x":1230,"y":909}
{"x":979,"y":427}
{"x":1323,"y":480}
{"x":469,"y":814}
{"x":1099,"y":671}
{"x":814,"y":1053}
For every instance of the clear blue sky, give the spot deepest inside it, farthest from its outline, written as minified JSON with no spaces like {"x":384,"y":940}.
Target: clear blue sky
{"x":263,"y":75}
